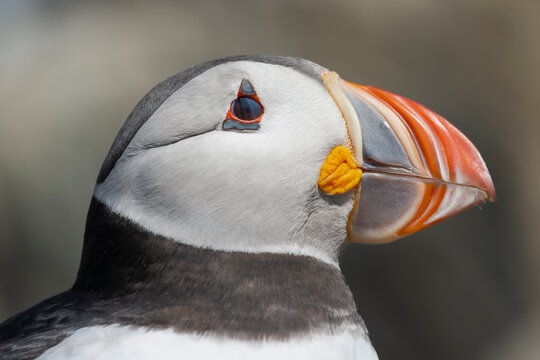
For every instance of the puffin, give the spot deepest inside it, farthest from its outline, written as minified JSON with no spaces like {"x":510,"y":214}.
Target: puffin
{"x":218,"y":216}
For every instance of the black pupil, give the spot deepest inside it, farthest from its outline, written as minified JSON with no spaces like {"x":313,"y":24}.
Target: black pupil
{"x":245,"y":108}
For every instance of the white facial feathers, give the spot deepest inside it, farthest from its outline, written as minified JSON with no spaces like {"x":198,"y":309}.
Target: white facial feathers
{"x":185,"y":178}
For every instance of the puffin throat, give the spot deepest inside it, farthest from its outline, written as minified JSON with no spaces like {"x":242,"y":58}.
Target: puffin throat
{"x":156,"y":280}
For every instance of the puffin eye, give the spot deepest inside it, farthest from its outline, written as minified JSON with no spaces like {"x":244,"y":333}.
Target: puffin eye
{"x":246,"y":111}
{"x":246,"y":108}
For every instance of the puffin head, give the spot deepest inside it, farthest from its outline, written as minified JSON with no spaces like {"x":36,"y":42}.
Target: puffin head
{"x":273,"y":154}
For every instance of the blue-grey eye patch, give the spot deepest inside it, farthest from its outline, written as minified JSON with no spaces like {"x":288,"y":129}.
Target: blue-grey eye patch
{"x":246,"y":88}
{"x":232,"y":124}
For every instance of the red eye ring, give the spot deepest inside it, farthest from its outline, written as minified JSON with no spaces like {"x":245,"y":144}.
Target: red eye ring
{"x":246,"y":111}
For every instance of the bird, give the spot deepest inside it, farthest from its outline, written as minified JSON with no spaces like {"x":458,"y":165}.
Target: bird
{"x":218,"y":215}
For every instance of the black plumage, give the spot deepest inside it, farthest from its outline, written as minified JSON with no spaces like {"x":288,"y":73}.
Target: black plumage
{"x":129,"y":276}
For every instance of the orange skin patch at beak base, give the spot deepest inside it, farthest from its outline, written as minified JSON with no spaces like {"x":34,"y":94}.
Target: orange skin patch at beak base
{"x":339,"y":172}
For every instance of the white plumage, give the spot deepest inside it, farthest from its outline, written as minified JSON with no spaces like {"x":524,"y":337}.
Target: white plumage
{"x":125,"y":343}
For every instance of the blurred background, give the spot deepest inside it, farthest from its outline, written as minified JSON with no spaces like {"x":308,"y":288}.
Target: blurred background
{"x":467,"y":288}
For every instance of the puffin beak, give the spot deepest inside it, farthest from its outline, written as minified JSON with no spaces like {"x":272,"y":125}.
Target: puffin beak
{"x":416,"y":168}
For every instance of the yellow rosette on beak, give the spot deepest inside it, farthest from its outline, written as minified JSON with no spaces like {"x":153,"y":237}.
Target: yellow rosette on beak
{"x":339,"y":173}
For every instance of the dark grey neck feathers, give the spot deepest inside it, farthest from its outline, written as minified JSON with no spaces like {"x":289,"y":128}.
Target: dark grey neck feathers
{"x":129,"y":276}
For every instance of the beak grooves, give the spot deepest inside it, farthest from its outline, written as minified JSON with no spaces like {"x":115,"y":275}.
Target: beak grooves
{"x":433,"y":197}
{"x":436,"y":173}
{"x":445,"y":153}
{"x":431,"y":154}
